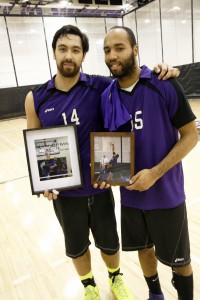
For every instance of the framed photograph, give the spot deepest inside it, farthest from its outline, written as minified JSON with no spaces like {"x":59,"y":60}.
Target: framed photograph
{"x":53,"y":158}
{"x":112,"y":157}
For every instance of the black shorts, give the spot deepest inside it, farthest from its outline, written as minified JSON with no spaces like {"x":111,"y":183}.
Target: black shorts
{"x":79,"y":215}
{"x":166,"y":229}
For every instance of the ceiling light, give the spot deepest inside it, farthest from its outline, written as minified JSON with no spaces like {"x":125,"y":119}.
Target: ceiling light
{"x":64,"y":2}
{"x":176,"y":8}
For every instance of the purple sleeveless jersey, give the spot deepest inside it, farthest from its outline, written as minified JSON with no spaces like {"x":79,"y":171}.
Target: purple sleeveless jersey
{"x":80,"y":105}
{"x":157,"y":108}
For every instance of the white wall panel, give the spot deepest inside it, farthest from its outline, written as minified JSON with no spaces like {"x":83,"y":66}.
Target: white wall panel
{"x":29,"y":49}
{"x":177,"y":31}
{"x":196,"y":16}
{"x":7,"y":75}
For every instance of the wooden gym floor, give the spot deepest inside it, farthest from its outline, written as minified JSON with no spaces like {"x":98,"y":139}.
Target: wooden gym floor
{"x":33,"y":265}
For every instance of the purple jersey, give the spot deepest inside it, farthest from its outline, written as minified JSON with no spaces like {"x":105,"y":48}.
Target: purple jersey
{"x":158,"y":108}
{"x":80,"y":105}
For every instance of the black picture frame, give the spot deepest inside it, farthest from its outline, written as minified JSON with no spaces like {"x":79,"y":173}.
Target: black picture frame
{"x":53,"y":158}
{"x":112,"y":157}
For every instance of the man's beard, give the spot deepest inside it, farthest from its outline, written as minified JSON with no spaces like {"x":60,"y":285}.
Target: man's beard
{"x":127,"y":67}
{"x":68,"y":73}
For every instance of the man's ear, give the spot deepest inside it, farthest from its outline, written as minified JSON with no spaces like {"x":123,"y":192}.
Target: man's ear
{"x":54,"y":57}
{"x":135,"y":49}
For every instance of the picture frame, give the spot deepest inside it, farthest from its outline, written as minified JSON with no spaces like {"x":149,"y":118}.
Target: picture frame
{"x":53,"y":158}
{"x":112,"y":157}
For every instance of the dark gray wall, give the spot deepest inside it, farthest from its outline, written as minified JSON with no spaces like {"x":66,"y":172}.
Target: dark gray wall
{"x":12,"y":101}
{"x":190,"y":79}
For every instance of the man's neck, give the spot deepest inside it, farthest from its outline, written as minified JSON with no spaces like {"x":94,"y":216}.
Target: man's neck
{"x":65,"y":83}
{"x":128,"y":81}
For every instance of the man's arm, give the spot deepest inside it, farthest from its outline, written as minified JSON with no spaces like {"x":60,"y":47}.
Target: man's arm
{"x":144,"y":179}
{"x":32,"y":119}
{"x":34,"y":122}
{"x":166,"y":71}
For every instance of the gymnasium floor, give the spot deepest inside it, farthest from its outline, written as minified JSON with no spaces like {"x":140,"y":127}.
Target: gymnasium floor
{"x":33,"y":265}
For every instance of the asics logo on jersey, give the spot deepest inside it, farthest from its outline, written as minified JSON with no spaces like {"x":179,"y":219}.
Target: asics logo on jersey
{"x":155,"y":279}
{"x":48,"y":110}
{"x":179,"y":259}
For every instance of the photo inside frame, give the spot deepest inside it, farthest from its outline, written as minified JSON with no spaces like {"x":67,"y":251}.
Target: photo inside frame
{"x":53,"y":157}
{"x":112,"y":157}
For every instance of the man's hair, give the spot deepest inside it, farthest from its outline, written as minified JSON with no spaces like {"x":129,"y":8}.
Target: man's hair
{"x":70,"y":29}
{"x":130,"y":33}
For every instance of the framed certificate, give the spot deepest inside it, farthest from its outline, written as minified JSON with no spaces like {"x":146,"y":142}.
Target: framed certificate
{"x":53,"y":158}
{"x":112,"y":157}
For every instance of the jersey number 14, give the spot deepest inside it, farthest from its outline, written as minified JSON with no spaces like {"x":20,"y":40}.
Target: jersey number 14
{"x":74,"y":117}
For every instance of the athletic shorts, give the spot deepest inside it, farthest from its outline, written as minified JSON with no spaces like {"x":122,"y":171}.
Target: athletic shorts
{"x":166,"y":229}
{"x":80,"y":215}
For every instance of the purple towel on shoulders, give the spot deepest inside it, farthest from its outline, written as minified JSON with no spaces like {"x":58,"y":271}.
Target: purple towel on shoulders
{"x":114,"y":112}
